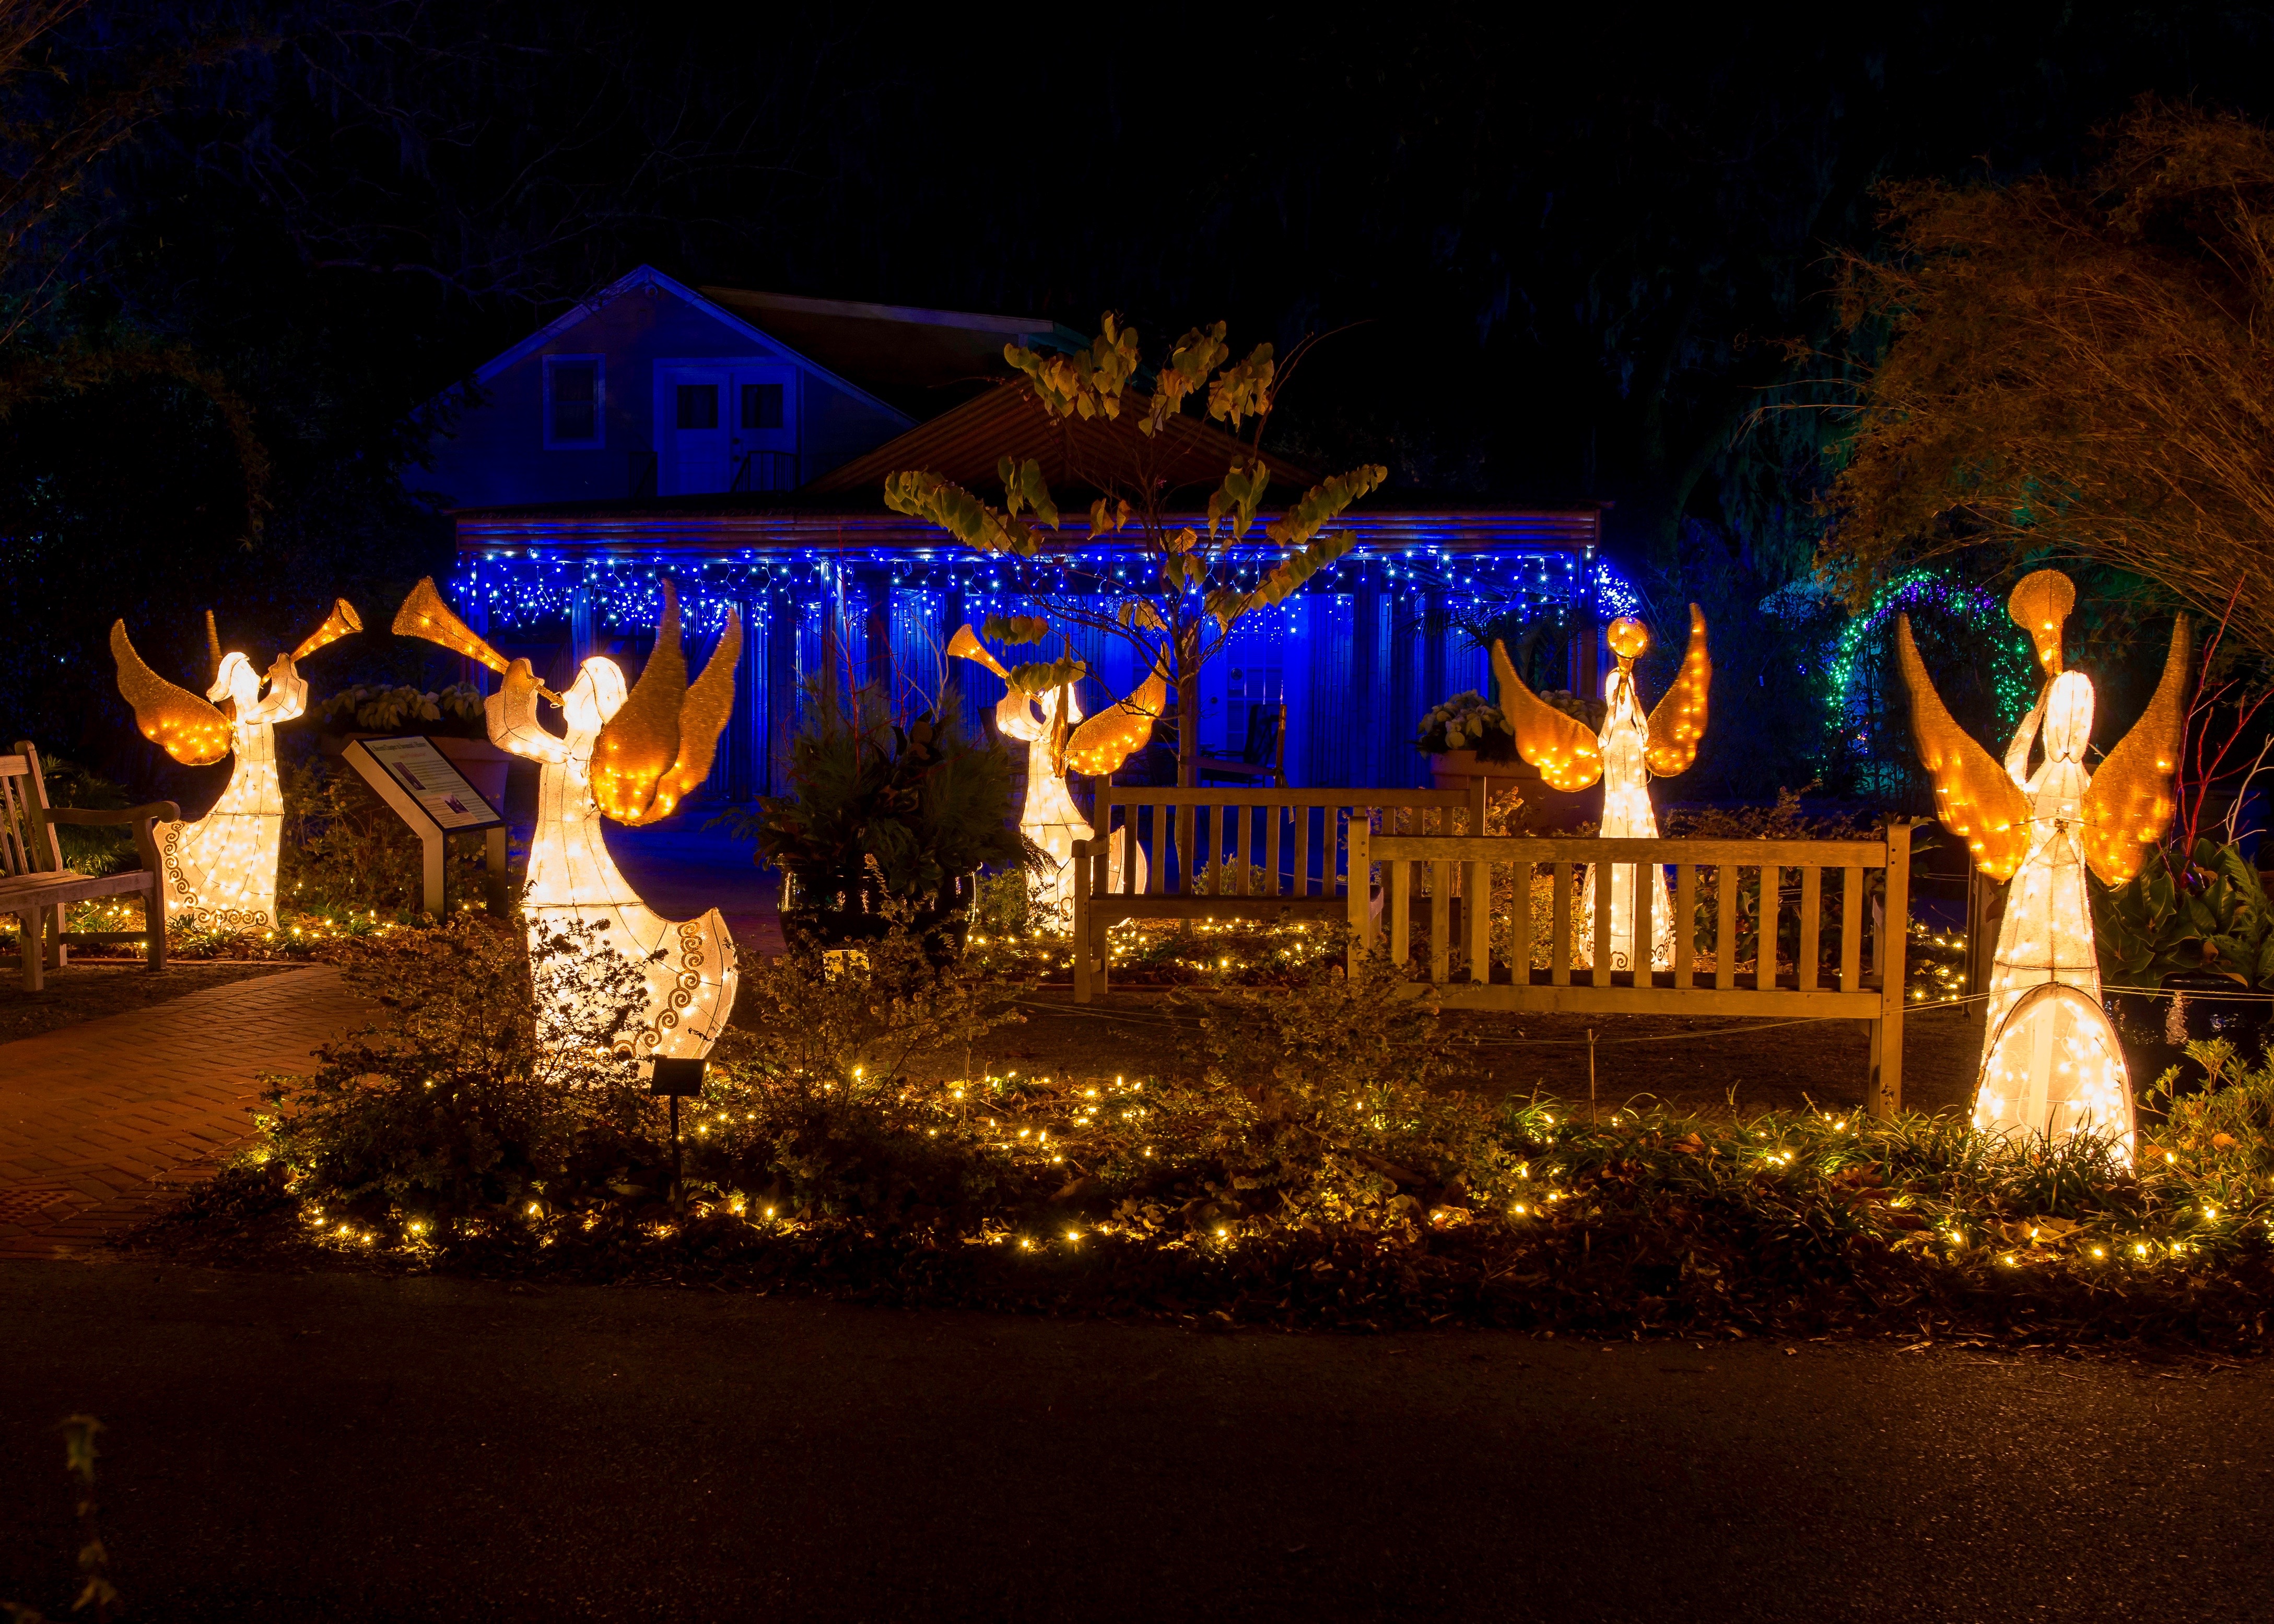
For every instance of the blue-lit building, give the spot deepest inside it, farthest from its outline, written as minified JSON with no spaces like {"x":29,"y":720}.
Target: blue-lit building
{"x":738,"y":442}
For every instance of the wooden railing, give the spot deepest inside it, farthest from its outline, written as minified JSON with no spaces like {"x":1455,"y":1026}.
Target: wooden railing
{"x":1510,"y":979}
{"x":1237,"y":852}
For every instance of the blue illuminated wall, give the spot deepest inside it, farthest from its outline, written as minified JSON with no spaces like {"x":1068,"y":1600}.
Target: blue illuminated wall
{"x":1356,"y":655}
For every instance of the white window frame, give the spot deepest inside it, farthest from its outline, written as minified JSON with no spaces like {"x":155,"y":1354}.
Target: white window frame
{"x":599,"y":439}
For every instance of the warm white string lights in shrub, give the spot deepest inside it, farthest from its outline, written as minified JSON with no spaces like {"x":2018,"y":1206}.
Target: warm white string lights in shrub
{"x":1628,"y":751}
{"x":2051,"y":1066}
{"x":220,"y":870}
{"x":655,"y":742}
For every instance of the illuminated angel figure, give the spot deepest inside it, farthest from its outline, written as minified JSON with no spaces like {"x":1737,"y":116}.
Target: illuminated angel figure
{"x":220,"y":869}
{"x":1049,"y":817}
{"x":632,"y":757}
{"x":2050,"y":1063}
{"x":1629,"y":749}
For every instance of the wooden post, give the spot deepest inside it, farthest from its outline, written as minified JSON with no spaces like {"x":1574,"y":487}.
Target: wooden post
{"x":1887,"y":1092}
{"x":1357,"y":899}
{"x":1082,"y":932}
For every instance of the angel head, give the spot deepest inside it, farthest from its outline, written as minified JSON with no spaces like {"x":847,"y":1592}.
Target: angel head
{"x":197,"y":732}
{"x":2124,"y":805}
{"x":1568,"y":753}
{"x":647,"y":745}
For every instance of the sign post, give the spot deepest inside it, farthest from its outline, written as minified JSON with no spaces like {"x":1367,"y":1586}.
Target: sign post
{"x":675,"y":1079}
{"x":434,"y":798}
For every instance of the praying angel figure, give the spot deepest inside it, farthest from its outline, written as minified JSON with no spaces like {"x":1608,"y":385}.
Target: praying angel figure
{"x":2051,"y":1067}
{"x":219,"y":871}
{"x":1625,"y":754}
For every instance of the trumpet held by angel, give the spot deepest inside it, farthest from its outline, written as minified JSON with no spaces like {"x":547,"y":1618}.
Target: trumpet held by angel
{"x":2049,"y":1067}
{"x":219,"y":871}
{"x":631,"y":753}
{"x":1049,"y":724}
{"x":1625,"y":754}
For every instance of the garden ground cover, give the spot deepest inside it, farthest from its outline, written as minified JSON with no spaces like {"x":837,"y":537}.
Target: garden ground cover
{"x":89,"y":990}
{"x":1307,"y":1160}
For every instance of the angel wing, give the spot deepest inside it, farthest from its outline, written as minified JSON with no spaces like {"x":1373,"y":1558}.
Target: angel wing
{"x":659,"y":744}
{"x":2128,"y":803}
{"x":638,"y":745}
{"x":1677,"y":721}
{"x":702,"y":717}
{"x":1110,"y":738}
{"x":1974,"y":797}
{"x":188,"y":728}
{"x":1561,"y":747}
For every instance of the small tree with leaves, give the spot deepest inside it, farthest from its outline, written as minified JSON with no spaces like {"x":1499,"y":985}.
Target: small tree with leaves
{"x":1178,"y":615}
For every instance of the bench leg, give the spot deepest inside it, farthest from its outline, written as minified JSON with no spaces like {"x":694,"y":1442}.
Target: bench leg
{"x":61,"y":957}
{"x":31,"y":950}
{"x":153,"y":916}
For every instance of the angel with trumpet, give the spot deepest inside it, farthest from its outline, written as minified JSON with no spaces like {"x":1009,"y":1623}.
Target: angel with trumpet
{"x":1059,"y":739}
{"x":2050,"y":1068}
{"x":1625,"y":754}
{"x":220,"y":870}
{"x":631,"y":754}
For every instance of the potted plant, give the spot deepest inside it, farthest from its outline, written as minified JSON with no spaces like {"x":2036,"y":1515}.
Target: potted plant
{"x":453,"y":717}
{"x":885,"y":820}
{"x":1465,"y":737}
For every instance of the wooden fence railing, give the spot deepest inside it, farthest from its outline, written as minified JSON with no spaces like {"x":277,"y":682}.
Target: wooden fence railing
{"x":1501,"y":948}
{"x":1237,"y":852}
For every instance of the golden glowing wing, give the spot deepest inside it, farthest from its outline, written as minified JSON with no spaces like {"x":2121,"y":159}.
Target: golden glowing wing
{"x":1567,"y":755}
{"x":1975,"y":797}
{"x":1117,"y":732}
{"x":701,"y":718}
{"x":2128,"y":804}
{"x":188,"y":728}
{"x":1677,"y":721}
{"x":640,"y":743}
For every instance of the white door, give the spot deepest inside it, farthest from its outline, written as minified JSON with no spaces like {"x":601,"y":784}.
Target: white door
{"x":693,"y":438}
{"x":725,"y":426}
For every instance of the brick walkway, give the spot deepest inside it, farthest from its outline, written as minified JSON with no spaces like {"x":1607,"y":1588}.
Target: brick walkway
{"x":102,"y":1124}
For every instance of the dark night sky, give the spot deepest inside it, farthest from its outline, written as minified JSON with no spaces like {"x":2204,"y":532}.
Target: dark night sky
{"x":1569,"y":247}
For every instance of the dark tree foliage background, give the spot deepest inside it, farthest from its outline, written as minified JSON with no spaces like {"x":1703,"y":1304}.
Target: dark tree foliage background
{"x":1573,"y":255}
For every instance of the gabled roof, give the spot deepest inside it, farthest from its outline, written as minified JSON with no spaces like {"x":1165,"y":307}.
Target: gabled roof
{"x":1079,"y":455}
{"x":923,"y":360}
{"x":648,"y":276}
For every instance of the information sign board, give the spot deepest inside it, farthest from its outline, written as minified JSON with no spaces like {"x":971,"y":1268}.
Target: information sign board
{"x":439,"y":788}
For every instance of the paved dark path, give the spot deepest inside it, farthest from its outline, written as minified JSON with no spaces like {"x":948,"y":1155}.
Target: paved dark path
{"x":343,"y":1448}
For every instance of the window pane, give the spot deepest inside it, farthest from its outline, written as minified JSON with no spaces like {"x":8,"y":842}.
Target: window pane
{"x":762,"y":405}
{"x":574,"y":382}
{"x":698,"y":405}
{"x":575,"y":403}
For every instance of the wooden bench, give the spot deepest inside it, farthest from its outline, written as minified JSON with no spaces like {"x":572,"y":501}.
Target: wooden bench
{"x":1234,"y":852}
{"x":1772,"y":988}
{"x":36,"y":886}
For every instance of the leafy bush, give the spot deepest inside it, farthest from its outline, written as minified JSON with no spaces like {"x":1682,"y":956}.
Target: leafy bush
{"x":454,"y":1111}
{"x":377,"y":707}
{"x":912,"y":805}
{"x":2214,"y":916}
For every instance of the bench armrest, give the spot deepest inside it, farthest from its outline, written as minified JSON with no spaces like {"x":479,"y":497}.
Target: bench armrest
{"x":139,"y":818}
